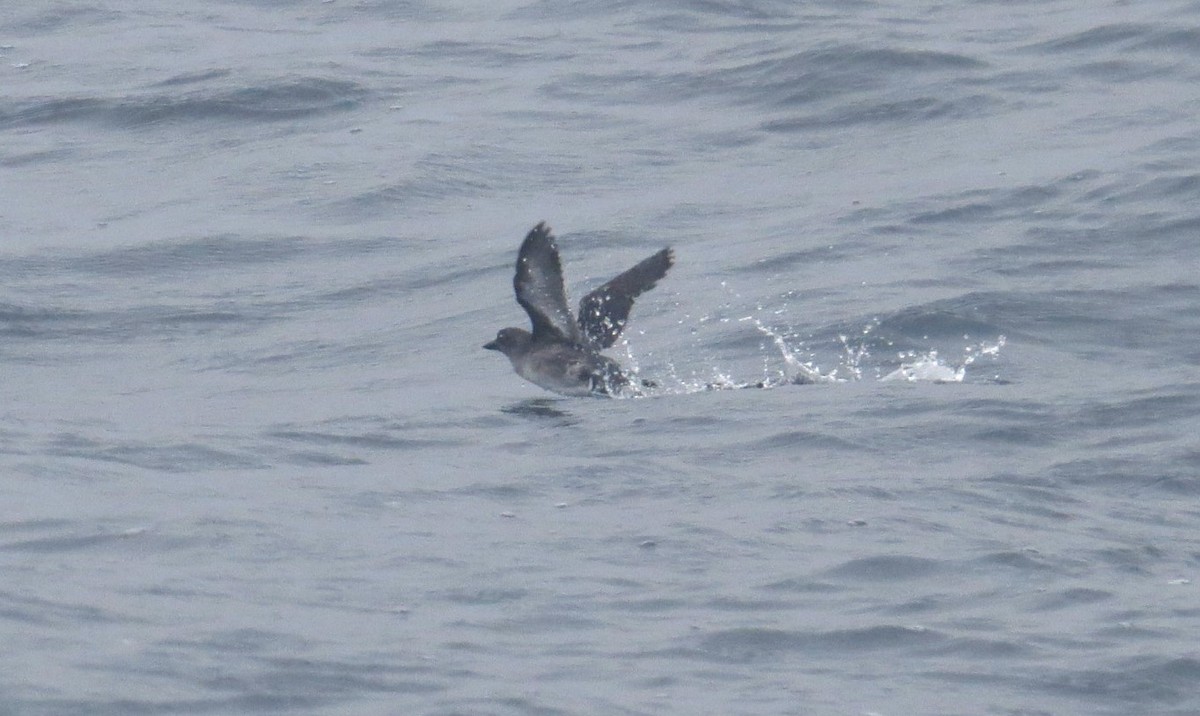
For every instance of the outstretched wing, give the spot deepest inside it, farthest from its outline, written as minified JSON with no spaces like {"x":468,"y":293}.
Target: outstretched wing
{"x":603,"y":312}
{"x":539,"y":286}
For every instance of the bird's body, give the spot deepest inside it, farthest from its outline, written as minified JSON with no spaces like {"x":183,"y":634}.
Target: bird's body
{"x":562,"y":353}
{"x":560,"y":367}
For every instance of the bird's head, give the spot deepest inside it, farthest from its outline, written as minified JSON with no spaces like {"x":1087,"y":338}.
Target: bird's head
{"x":509,"y":341}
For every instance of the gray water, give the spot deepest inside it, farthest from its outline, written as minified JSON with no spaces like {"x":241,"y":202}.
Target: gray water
{"x":254,"y":459}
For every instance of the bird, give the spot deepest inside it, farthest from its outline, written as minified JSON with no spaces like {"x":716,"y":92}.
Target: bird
{"x":562,"y":352}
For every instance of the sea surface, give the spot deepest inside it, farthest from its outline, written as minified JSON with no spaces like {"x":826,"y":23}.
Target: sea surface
{"x":254,"y":460}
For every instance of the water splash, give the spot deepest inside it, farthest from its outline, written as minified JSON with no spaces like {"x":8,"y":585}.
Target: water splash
{"x":790,"y":360}
{"x":929,"y":368}
{"x":797,"y":371}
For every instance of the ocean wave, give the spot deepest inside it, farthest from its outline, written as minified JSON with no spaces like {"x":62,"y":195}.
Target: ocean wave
{"x":285,"y":99}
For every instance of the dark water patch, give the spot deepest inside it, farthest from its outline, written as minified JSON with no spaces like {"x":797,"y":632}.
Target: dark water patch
{"x":1191,"y":458}
{"x":433,"y":183}
{"x":1057,"y":267}
{"x":413,"y":277}
{"x":161,"y":258}
{"x":727,"y":15}
{"x":1014,"y":422}
{"x":887,"y":568}
{"x":963,"y":213}
{"x":1123,"y":70}
{"x":175,"y":458}
{"x":1168,"y":186}
{"x":542,"y":409}
{"x":509,"y":706}
{"x":174,"y":593}
{"x":281,"y":101}
{"x":186,"y":318}
{"x":1021,"y":508}
{"x":919,"y":606}
{"x":1158,"y":407}
{"x":1016,"y":435}
{"x":312,"y":680}
{"x":803,"y":585}
{"x":191,"y":78}
{"x":48,"y":156}
{"x":1074,"y":320}
{"x":296,"y":357}
{"x":800,"y":439}
{"x":1118,"y":244}
{"x":161,"y":707}
{"x":734,"y":604}
{"x":475,"y":54}
{"x":796,"y":80}
{"x":34,"y":525}
{"x":1047,"y":201}
{"x":750,"y":645}
{"x":65,"y":543}
{"x":992,"y":205}
{"x":1141,"y":560}
{"x":656,"y":605}
{"x":321,"y":459}
{"x":1174,"y":153}
{"x":485,"y":596}
{"x":977,"y":648}
{"x":683,"y":422}
{"x":545,"y":621}
{"x":948,"y":322}
{"x":538,"y":10}
{"x":35,"y":611}
{"x":1026,"y":561}
{"x":381,"y":10}
{"x":989,"y":679}
{"x":693,"y":15}
{"x":900,"y":111}
{"x":1131,"y":474}
{"x":368,"y":440}
{"x":240,"y":641}
{"x":1071,"y":598}
{"x":25,"y":322}
{"x":76,"y":328}
{"x":1166,"y":230}
{"x":502,"y":493}
{"x":810,"y":75}
{"x":440,"y":178}
{"x":787,"y":261}
{"x":1147,"y":680}
{"x":1185,"y":40}
{"x":1099,"y":37}
{"x":1125,"y":632}
{"x":268,"y":685}
{"x":70,"y":17}
{"x":1036,"y":490}
{"x":1019,"y":83}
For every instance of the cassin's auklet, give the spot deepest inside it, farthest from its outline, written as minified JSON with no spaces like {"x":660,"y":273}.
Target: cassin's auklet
{"x":563,"y":352}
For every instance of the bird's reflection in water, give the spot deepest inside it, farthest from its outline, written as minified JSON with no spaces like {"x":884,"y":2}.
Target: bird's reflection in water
{"x":540,"y":409}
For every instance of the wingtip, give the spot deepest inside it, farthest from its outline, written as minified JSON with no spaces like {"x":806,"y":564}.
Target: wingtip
{"x":665,"y":259}
{"x":538,"y":236}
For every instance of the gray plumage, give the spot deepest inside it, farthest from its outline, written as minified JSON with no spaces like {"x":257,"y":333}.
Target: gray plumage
{"x":562,"y":353}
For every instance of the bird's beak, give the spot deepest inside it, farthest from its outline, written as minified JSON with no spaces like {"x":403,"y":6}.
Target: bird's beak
{"x":491,"y":346}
